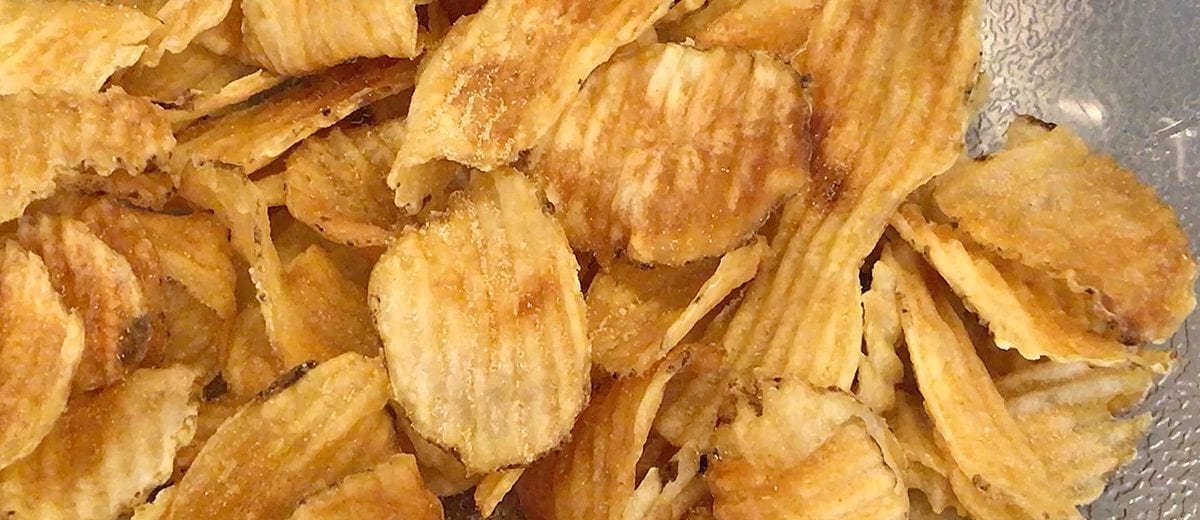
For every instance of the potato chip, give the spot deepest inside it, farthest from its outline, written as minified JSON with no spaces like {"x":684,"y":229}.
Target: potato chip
{"x":498,"y":81}
{"x":980,"y":434}
{"x":107,"y":452}
{"x":880,"y":369}
{"x":920,"y":509}
{"x":149,"y":190}
{"x":48,"y":136}
{"x":256,"y":135}
{"x":925,"y":466}
{"x":681,"y":170}
{"x":250,"y":364}
{"x":697,"y":396}
{"x":180,"y":76}
{"x":493,"y":488}
{"x":660,"y":497}
{"x":182,"y":21}
{"x":335,"y":307}
{"x":637,"y":315}
{"x":1049,"y":385}
{"x":1018,"y":317}
{"x":194,"y":332}
{"x":194,"y":250}
{"x":294,"y":37}
{"x":99,"y":284}
{"x":442,"y":471}
{"x":34,"y":55}
{"x":293,"y":237}
{"x":259,"y":466}
{"x":216,"y":103}
{"x":485,"y":307}
{"x":225,"y":38}
{"x":155,"y":509}
{"x":593,"y":474}
{"x":393,"y":489}
{"x":679,"y":9}
{"x":1043,"y":201}
{"x":210,"y":416}
{"x":779,"y":27}
{"x":41,"y":343}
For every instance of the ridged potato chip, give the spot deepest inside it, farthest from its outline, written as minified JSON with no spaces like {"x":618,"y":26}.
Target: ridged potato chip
{"x":182,"y":21}
{"x":193,"y":332}
{"x":250,"y":365}
{"x":967,"y":410}
{"x":391,"y":490}
{"x":254,"y":136}
{"x":881,"y":369}
{"x":35,"y":55}
{"x":659,"y":496}
{"x":225,"y":38}
{"x":305,"y":433}
{"x":292,"y":237}
{"x":293,"y":37}
{"x":210,"y":416}
{"x":48,"y":136}
{"x":780,"y":27}
{"x":443,"y":472}
{"x":41,"y":343}
{"x":107,"y":452}
{"x":498,"y":81}
{"x":180,"y":76}
{"x":148,"y":190}
{"x":637,"y":315}
{"x":698,"y":395}
{"x":1046,"y":199}
{"x":493,"y":488}
{"x":925,"y":466}
{"x":100,"y":284}
{"x":334,"y":307}
{"x":218,"y":102}
{"x":672,"y":154}
{"x":194,"y":250}
{"x":484,"y":307}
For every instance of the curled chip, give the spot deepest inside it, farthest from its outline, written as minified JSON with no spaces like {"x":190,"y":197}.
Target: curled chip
{"x":334,"y":307}
{"x":107,"y":452}
{"x":182,"y":21}
{"x":780,"y":27}
{"x":498,"y":81}
{"x":41,"y":343}
{"x":674,"y":154}
{"x":925,"y":466}
{"x":1044,"y":200}
{"x":968,"y":412}
{"x":216,"y":102}
{"x":697,"y":396}
{"x":443,"y":472}
{"x":180,"y":76}
{"x":254,"y":136}
{"x":225,"y":38}
{"x":493,"y":488}
{"x":637,"y":315}
{"x":100,"y":284}
{"x":1019,"y":317}
{"x":593,"y":475}
{"x":484,"y":325}
{"x":881,"y":369}
{"x":37,"y":54}
{"x":298,"y":36}
{"x":393,"y":489}
{"x":658,"y":499}
{"x":44,"y":137}
{"x":301,"y":437}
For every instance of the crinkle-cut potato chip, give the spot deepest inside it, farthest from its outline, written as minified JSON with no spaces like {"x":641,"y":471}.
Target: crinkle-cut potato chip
{"x":107,"y":452}
{"x":498,"y":81}
{"x":779,"y":27}
{"x":182,"y":21}
{"x":484,"y":326}
{"x":215,"y":103}
{"x":194,"y":332}
{"x":308,"y":431}
{"x":925,"y":466}
{"x":442,"y":471}
{"x":100,"y":284}
{"x":1048,"y":385}
{"x":493,"y":488}
{"x":672,"y":154}
{"x":881,"y":131}
{"x":250,"y":365}
{"x":335,"y":307}
{"x":41,"y":343}
{"x":1043,"y":201}
{"x":593,"y":474}
{"x":225,"y":38}
{"x":210,"y":416}
{"x":697,"y":396}
{"x":660,"y":497}
{"x":254,"y":136}
{"x":1019,"y":317}
{"x":149,"y":190}
{"x":391,"y":490}
{"x":637,"y":315}
{"x":967,"y":410}
{"x":194,"y":250}
{"x":48,"y":136}
{"x":180,"y":76}
{"x":36,"y":53}
{"x":294,"y":37}
{"x":880,"y":369}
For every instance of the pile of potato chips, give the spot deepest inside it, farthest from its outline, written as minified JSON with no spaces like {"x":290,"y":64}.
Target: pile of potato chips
{"x":555,"y":259}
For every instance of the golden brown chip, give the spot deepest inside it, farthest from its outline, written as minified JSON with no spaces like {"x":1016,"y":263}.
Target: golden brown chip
{"x":194,"y":332}
{"x":880,"y":369}
{"x":696,"y":397}
{"x":967,"y":410}
{"x":293,"y":37}
{"x":1045,"y":200}
{"x":150,"y":190}
{"x":107,"y":451}
{"x":443,"y":472}
{"x":180,"y":76}
{"x":498,"y":81}
{"x":250,"y":364}
{"x":484,"y":325}
{"x":309,"y":431}
{"x":210,"y":416}
{"x":182,"y":21}
{"x":44,"y":137}
{"x":154,"y":510}
{"x":292,"y":237}
{"x":194,"y":250}
{"x":493,"y":488}
{"x":780,"y":27}
{"x":254,"y":136}
{"x":925,"y":466}
{"x":1047,"y":385}
{"x":335,"y":307}
{"x":217,"y":102}
{"x":225,"y":38}
{"x":41,"y":343}
{"x":67,"y":46}
{"x":100,"y":284}
{"x":652,"y":159}
{"x":637,"y":315}
{"x":391,"y":490}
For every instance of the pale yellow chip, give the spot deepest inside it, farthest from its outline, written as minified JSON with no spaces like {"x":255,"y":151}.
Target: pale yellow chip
{"x":980,"y":434}
{"x":100,"y":284}
{"x":182,"y":21}
{"x":780,"y":27}
{"x":44,"y":137}
{"x":307,"y":432}
{"x":391,"y":490}
{"x":41,"y":344}
{"x":107,"y":452}
{"x":181,"y":76}
{"x":1047,"y":385}
{"x":67,"y":45}
{"x":881,"y":369}
{"x":926,"y":468}
{"x":254,"y":136}
{"x":334,"y":307}
{"x":225,"y":38}
{"x":672,"y":154}
{"x":210,"y":416}
{"x":1047,"y":198}
{"x":593,"y":475}
{"x":661,"y":497}
{"x":493,"y":488}
{"x":250,"y":365}
{"x":1019,"y":317}
{"x":484,"y":325}
{"x":637,"y":315}
{"x":443,"y":472}
{"x":215,"y":103}
{"x":498,"y":81}
{"x":294,"y":37}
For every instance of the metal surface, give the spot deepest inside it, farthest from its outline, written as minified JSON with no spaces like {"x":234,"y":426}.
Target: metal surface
{"x":1126,"y":75}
